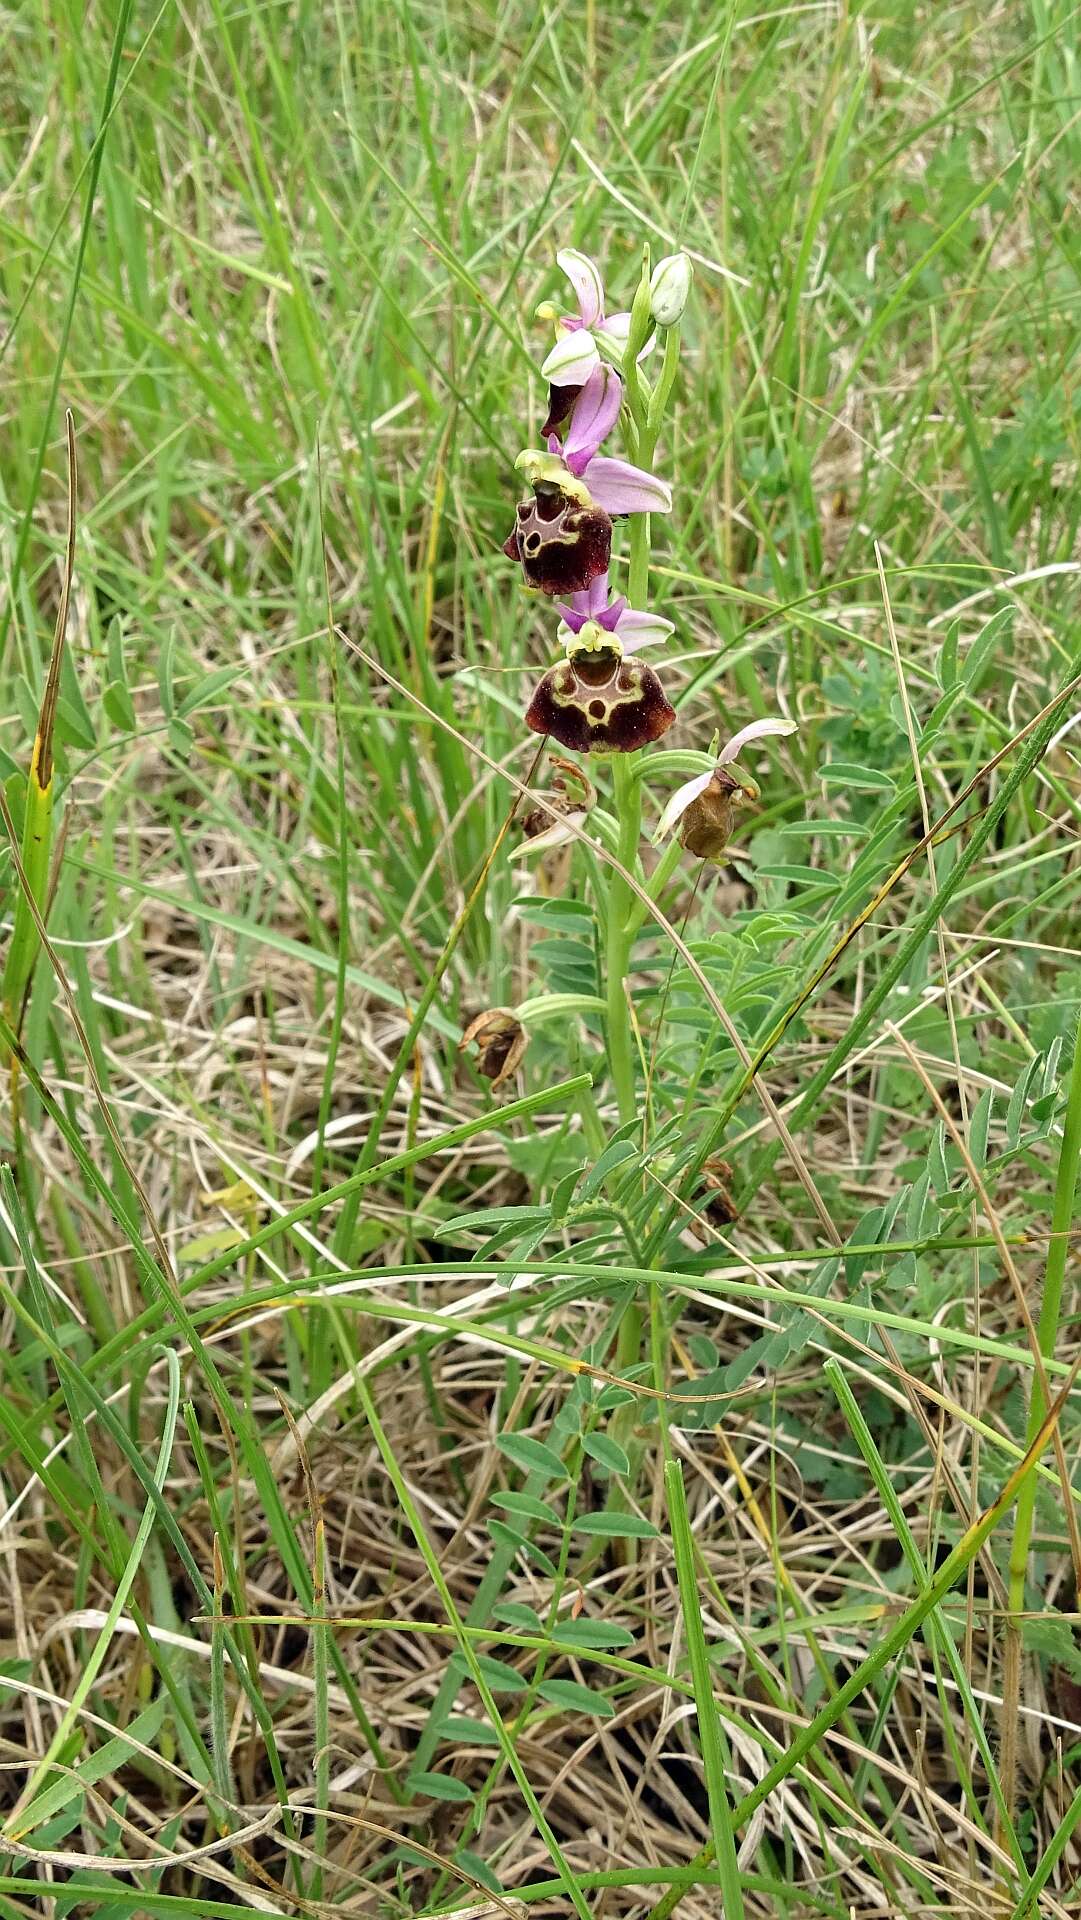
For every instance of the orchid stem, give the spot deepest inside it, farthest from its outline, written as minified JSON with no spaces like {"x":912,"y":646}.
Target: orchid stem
{"x":628,"y":808}
{"x":627,"y":795}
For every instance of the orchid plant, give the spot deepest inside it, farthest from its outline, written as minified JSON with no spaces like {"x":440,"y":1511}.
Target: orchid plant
{"x":601,"y":697}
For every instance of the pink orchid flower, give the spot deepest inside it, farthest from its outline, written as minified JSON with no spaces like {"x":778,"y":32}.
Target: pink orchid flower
{"x":577,"y":353}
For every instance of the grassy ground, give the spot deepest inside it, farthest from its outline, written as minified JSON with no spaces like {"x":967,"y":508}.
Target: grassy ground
{"x":727,"y":1631}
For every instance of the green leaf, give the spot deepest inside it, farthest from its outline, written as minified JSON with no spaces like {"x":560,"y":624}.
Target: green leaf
{"x":794,"y":876}
{"x":532,"y":1456}
{"x":485,"y":1218}
{"x":615,"y":1526}
{"x":813,"y":829}
{"x":507,"y":1536}
{"x":480,"y":1870}
{"x":440,"y":1786}
{"x":946,"y":663}
{"x":936,"y":1160}
{"x":515,"y":1613}
{"x":115,"y":1753}
{"x":612,"y":1397}
{"x":118,"y":706}
{"x":608,"y":1452}
{"x":525,"y":1503}
{"x":592,"y":1633}
{"x":499,"y":1677}
{"x":920,"y":1204}
{"x":984,"y":645}
{"x":570,"y":1693}
{"x":613,"y":1156}
{"x":78,"y":725}
{"x":978,"y":1127}
{"x":114,"y":651}
{"x":844,"y":773}
{"x":205,"y":690}
{"x":1015,"y":1112}
{"x":165,"y":674}
{"x":563,"y":1194}
{"x":469,"y":1732}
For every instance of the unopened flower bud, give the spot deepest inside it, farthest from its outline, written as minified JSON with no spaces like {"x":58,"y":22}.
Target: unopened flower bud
{"x":669,"y":288}
{"x":641,"y":323}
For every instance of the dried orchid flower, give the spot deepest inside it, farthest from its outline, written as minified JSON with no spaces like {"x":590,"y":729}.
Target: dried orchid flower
{"x":582,"y":335}
{"x":571,"y":797}
{"x":500,"y":1040}
{"x":703,"y":807}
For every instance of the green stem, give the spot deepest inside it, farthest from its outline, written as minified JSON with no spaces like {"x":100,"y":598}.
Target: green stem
{"x":620,"y":928}
{"x":1069,"y":1161}
{"x":656,"y":884}
{"x":638,"y":560}
{"x":628,"y":807}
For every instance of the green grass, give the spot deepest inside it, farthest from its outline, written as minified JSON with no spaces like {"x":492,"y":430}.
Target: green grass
{"x":411,"y":1496}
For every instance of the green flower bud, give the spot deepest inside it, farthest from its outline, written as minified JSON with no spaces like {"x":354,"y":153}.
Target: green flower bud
{"x":669,"y":288}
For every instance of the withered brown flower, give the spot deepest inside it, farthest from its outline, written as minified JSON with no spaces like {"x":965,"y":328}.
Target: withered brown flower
{"x":702,"y":808}
{"x":571,"y":795}
{"x":500,"y":1040}
{"x":717,"y":1177}
{"x":601,"y":701}
{"x":706,"y":826}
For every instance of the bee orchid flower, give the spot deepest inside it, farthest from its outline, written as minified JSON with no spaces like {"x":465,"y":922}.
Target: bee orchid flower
{"x":599,"y":699}
{"x":703,"y":808}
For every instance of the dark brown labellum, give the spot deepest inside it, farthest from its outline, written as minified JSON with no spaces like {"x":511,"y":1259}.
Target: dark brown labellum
{"x":564,"y":542}
{"x":601,"y":703}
